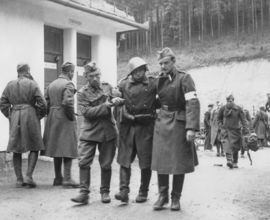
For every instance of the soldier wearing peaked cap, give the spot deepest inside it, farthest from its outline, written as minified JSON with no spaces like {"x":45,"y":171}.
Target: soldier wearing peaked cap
{"x":23,"y":104}
{"x":60,"y":135}
{"x":98,"y":129}
{"x":178,"y":119}
{"x":136,"y":127}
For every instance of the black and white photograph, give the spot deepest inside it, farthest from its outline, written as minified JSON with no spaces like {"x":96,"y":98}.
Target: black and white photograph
{"x":135,"y":109}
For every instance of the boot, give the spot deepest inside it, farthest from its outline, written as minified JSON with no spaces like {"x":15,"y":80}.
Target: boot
{"x":124,"y":184}
{"x":163,"y":186}
{"x":229,"y":160}
{"x":83,"y":197}
{"x":32,"y":161}
{"x":58,"y":171}
{"x":68,"y":182}
{"x":178,"y":182}
{"x":17,"y":164}
{"x":145,"y":180}
{"x":105,"y":185}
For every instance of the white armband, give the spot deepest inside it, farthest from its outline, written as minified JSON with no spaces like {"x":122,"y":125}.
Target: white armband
{"x":190,"y":95}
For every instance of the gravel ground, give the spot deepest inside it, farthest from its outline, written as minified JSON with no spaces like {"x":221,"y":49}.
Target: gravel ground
{"x":211,"y":192}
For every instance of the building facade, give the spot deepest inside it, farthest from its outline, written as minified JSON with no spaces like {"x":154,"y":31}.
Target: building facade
{"x":46,"y":33}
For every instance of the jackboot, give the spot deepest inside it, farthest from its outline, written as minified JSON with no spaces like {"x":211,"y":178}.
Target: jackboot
{"x":83,"y":196}
{"x":144,"y":188}
{"x":68,"y":182}
{"x":17,"y":164}
{"x":125,"y":174}
{"x":105,"y":185}
{"x":178,"y":182}
{"x":229,"y":160}
{"x":235,"y":159}
{"x":163,"y":187}
{"x":32,"y":161}
{"x":58,"y":171}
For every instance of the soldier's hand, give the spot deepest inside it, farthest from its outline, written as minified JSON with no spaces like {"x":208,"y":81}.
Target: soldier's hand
{"x":190,"y":135}
{"x":108,"y":103}
{"x":117,"y":101}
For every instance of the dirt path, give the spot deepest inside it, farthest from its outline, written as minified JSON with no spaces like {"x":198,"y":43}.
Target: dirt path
{"x":212,"y":192}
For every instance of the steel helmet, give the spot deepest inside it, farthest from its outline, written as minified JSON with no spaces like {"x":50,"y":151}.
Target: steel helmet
{"x":134,"y":63}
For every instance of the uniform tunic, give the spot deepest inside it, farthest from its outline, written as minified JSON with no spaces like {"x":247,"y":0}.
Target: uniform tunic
{"x":60,"y":135}
{"x":23,"y":104}
{"x":230,"y":121}
{"x":98,"y":126}
{"x":207,"y":127}
{"x":180,"y":111}
{"x":137,"y":137}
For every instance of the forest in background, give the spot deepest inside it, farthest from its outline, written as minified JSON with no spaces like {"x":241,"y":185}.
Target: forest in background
{"x":183,"y":22}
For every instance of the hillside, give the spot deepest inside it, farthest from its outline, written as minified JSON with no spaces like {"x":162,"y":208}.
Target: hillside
{"x":221,"y":67}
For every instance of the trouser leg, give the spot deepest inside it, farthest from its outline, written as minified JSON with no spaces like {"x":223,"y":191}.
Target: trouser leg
{"x":32,"y":161}
{"x":58,"y":171}
{"x":178,"y":182}
{"x":163,"y":187}
{"x":144,"y":187}
{"x":68,"y":181}
{"x":17,"y":164}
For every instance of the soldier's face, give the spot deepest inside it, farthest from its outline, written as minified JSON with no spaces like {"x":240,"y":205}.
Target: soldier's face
{"x":139,"y":74}
{"x":71,"y":73}
{"x":166,"y":64}
{"x":93,"y":79}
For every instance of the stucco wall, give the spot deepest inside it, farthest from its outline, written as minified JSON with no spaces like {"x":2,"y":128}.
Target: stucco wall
{"x":21,"y":40}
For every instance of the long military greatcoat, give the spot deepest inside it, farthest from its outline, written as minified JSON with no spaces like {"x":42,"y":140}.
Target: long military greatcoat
{"x":180,"y":111}
{"x":98,"y":121}
{"x":60,"y":135}
{"x":207,"y":128}
{"x":214,"y":126}
{"x":261,"y":124}
{"x":140,"y":98}
{"x":23,"y":104}
{"x":230,"y":121}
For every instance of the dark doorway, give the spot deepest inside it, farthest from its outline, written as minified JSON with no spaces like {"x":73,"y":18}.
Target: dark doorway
{"x":53,"y":57}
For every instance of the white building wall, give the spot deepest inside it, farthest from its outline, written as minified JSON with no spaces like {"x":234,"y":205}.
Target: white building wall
{"x":21,"y":40}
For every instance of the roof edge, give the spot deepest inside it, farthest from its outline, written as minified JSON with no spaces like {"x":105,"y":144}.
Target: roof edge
{"x":101,"y":14}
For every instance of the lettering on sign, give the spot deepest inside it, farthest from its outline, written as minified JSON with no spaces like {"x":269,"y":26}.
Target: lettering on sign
{"x":48,"y":65}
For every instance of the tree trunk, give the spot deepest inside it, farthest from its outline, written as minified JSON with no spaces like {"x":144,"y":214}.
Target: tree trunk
{"x":202,"y":20}
{"x":237,"y":19}
{"x":262,"y":25}
{"x":252,"y":15}
{"x":189,"y":22}
{"x":180,"y":27}
{"x":158,"y":27}
{"x":219,"y":19}
{"x":161,"y":29}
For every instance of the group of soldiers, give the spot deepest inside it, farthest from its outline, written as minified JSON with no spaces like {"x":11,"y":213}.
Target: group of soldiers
{"x":228,"y":126}
{"x":157,"y":118}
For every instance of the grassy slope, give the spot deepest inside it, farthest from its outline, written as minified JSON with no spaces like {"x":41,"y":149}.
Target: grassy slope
{"x":207,"y":53}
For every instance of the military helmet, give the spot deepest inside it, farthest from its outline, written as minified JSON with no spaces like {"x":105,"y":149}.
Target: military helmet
{"x":134,"y":63}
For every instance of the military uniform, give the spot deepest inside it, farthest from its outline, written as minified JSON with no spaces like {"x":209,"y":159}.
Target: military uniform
{"x":215,"y":133}
{"x":207,"y":128}
{"x":23,"y":104}
{"x":60,"y":135}
{"x":230,"y":120}
{"x":172,"y":153}
{"x":97,"y":130}
{"x":136,"y":136}
{"x":261,"y":126}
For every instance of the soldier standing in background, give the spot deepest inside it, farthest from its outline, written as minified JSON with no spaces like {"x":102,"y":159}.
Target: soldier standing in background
{"x":207,"y":128}
{"x":98,"y":129}
{"x":231,"y":118}
{"x":60,"y":135}
{"x":23,"y":104}
{"x":136,"y":127}
{"x":215,"y":131}
{"x":249,"y":124}
{"x":179,"y":117}
{"x":261,"y":126}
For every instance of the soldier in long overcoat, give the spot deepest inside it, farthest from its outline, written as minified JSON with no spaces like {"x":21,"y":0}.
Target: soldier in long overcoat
{"x":136,"y":127}
{"x":98,"y":129}
{"x":232,"y":120}
{"x":23,"y":104}
{"x":207,"y":127}
{"x":261,"y":126}
{"x":174,"y":132}
{"x":215,"y":131}
{"x":60,"y":135}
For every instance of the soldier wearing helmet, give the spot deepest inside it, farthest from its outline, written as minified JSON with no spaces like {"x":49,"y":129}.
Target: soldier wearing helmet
{"x":136,"y":127}
{"x":230,"y":119}
{"x":178,"y":119}
{"x":95,"y":101}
